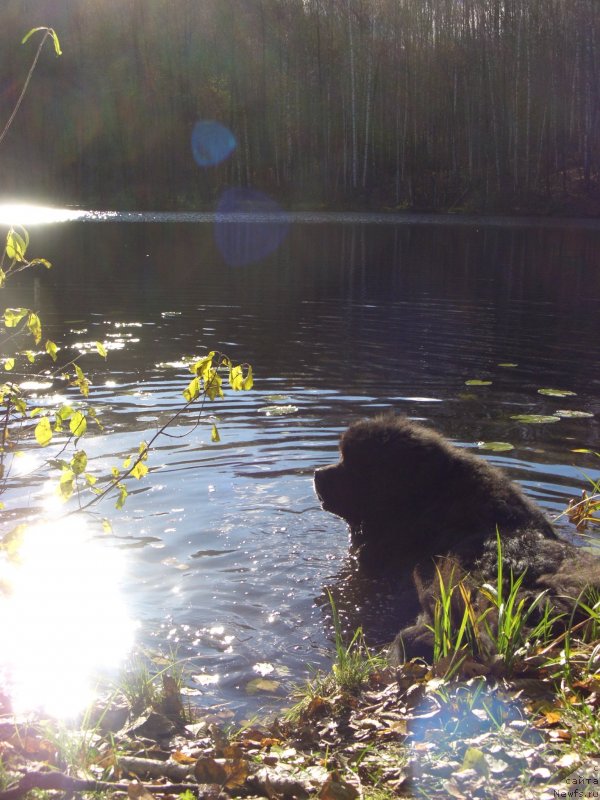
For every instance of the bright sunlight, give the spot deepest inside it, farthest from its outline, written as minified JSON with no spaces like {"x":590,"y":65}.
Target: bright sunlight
{"x":28,"y":214}
{"x":62,"y":617}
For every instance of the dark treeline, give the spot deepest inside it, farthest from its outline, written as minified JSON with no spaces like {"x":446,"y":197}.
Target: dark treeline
{"x":477,"y":104}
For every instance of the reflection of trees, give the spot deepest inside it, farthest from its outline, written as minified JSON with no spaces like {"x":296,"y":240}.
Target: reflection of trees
{"x":428,"y":102}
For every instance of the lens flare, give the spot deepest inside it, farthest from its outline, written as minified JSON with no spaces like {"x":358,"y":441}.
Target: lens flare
{"x":249,"y":226}
{"x":62,"y":617}
{"x":211,"y":143}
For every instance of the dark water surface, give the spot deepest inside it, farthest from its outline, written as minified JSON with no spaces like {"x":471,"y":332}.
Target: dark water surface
{"x":229,"y":553}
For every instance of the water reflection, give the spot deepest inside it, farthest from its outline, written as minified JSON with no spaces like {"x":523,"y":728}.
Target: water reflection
{"x":62,"y":617}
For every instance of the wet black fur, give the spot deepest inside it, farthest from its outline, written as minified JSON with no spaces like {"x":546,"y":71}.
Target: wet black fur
{"x":412,"y":499}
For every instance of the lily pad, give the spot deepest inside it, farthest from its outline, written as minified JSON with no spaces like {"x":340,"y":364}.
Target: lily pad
{"x":567,"y":414}
{"x":557,"y":392}
{"x":262,"y":685}
{"x":278,"y":411}
{"x":535,"y":419}
{"x":496,"y":447}
{"x":477,"y":382}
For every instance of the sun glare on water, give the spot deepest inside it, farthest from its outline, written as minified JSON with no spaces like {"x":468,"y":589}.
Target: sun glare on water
{"x":29,"y":214}
{"x":62,"y":618}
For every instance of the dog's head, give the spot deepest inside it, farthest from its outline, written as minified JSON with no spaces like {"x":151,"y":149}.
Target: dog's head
{"x":385,"y":467}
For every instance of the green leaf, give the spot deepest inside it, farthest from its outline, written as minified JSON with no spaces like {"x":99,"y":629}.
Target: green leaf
{"x":507,"y":364}
{"x":35,"y":326}
{"x":192,"y":391}
{"x":475,"y":759}
{"x":101,"y":349}
{"x":64,"y":412}
{"x":44,"y":262}
{"x":43,"y":432}
{"x":78,"y":424}
{"x":236,"y":378}
{"x":12,"y":316}
{"x":557,"y":392}
{"x":477,"y":382}
{"x":51,"y":349}
{"x":106,"y":526}
{"x":535,"y":419}
{"x":81,"y":381}
{"x":122,"y":496}
{"x":127,"y":462}
{"x":30,"y":355}
{"x":49,"y":32}
{"x":90,"y":479}
{"x":79,"y":462}
{"x":248,"y":381}
{"x":262,"y":685}
{"x":496,"y":447}
{"x":203,"y":367}
{"x":66,"y":484}
{"x":214,"y":436}
{"x":213,"y":385}
{"x":9,"y":363}
{"x":16,"y":245}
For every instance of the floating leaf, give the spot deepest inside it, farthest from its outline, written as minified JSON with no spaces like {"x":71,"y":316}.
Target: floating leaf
{"x":557,"y":392}
{"x":101,"y":349}
{"x":566,"y":414}
{"x":214,"y":436}
{"x":535,"y":419}
{"x":507,"y":364}
{"x":9,"y":363}
{"x":475,"y":759}
{"x":43,"y":432}
{"x":261,"y":685}
{"x":497,"y":447}
{"x":477,"y":382}
{"x":278,"y":411}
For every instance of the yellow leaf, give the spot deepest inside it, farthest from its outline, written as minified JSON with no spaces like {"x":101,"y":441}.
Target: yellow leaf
{"x":51,"y":349}
{"x":43,"y":432}
{"x":77,"y":424}
{"x":214,"y":436}
{"x":66,"y":484}
{"x":79,"y":462}
{"x":101,"y":349}
{"x":139,"y":470}
{"x":35,"y":327}
{"x":9,"y":364}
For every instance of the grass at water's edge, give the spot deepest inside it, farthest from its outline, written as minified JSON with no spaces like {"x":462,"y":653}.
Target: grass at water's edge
{"x":512,"y":718}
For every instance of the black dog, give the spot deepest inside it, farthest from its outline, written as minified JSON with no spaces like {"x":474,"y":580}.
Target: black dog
{"x":410,"y":497}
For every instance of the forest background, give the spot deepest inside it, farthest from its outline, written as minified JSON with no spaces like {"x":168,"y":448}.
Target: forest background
{"x":463,"y":105}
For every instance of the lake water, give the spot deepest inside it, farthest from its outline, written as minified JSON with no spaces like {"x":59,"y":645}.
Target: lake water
{"x":228,"y":553}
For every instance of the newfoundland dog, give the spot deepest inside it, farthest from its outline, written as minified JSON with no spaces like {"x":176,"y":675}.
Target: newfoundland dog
{"x":413,"y":501}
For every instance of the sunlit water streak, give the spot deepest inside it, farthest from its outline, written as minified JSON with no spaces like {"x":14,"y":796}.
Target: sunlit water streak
{"x":63,"y":618}
{"x":30,"y":214}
